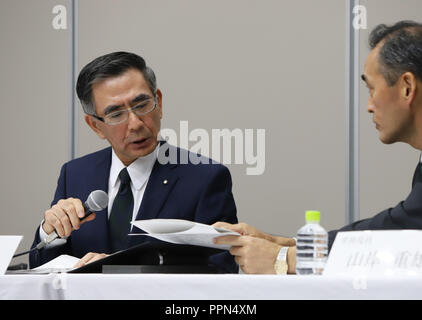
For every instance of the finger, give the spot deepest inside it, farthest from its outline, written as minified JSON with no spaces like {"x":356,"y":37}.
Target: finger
{"x":239,"y":228}
{"x":96,"y":257}
{"x":53,"y":218}
{"x":73,"y":218}
{"x":230,"y":239}
{"x":83,"y":260}
{"x":239,"y":261}
{"x":221,"y":224}
{"x":72,"y":207}
{"x":79,"y":264}
{"x":50,"y":220}
{"x":286,"y":242}
{"x":236,"y":251}
{"x":80,"y":212}
{"x":243,"y":266}
{"x":89,"y":258}
{"x":291,"y":242}
{"x":89,"y":218}
{"x":233,"y":227}
{"x":93,"y":256}
{"x":243,"y":228}
{"x":64,"y":222}
{"x":79,"y":208}
{"x":70,"y":210}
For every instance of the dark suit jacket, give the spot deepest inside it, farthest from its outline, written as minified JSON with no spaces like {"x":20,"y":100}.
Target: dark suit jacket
{"x":200,"y":193}
{"x":406,"y":215}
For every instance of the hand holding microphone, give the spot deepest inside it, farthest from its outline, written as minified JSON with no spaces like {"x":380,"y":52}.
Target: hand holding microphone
{"x":69,"y":214}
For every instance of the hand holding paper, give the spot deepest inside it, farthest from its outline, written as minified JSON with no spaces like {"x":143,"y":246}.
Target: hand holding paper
{"x":182,"y":232}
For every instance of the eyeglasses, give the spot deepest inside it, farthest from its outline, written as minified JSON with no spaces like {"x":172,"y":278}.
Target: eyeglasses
{"x":120,"y":116}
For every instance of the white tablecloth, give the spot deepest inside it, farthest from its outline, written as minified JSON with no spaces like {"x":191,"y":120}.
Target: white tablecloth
{"x":206,"y":287}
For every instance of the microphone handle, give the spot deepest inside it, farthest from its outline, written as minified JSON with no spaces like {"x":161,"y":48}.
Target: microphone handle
{"x":87,"y":210}
{"x":52,"y":236}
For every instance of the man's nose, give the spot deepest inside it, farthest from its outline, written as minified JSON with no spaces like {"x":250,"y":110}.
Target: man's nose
{"x":134,"y":121}
{"x":370,"y":107}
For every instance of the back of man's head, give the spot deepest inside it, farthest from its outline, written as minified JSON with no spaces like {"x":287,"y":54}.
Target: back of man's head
{"x":400,"y":49}
{"x":107,"y":66}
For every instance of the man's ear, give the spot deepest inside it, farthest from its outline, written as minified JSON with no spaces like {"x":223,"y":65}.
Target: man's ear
{"x":93,"y":124}
{"x":160,"y":102}
{"x":408,"y":87}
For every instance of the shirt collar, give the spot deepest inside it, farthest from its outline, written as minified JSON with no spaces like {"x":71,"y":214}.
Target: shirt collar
{"x":139,"y":170}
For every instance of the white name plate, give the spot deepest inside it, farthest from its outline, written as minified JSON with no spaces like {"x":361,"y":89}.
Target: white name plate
{"x":385,"y":252}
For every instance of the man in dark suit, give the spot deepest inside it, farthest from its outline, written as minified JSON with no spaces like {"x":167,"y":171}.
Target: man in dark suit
{"x":122,"y":104}
{"x":393,"y":75}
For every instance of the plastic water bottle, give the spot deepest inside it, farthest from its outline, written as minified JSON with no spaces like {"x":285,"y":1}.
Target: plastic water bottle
{"x":311,"y":246}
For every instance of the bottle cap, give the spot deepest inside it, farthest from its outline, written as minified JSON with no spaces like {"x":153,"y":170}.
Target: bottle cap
{"x":312,"y":216}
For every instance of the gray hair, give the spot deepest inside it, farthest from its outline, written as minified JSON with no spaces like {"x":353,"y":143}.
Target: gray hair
{"x":401,"y":49}
{"x":108,"y":66}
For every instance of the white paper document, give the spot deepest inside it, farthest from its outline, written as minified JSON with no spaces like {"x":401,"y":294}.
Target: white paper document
{"x":182,"y":232}
{"x":62,"y":263}
{"x":8,"y":245}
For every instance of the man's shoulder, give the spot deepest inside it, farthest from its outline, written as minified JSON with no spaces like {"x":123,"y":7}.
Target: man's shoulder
{"x":188,"y":161}
{"x":91,"y":158}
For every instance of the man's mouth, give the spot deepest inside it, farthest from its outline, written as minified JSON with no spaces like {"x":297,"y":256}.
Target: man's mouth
{"x":139,"y":142}
{"x":374,"y":122}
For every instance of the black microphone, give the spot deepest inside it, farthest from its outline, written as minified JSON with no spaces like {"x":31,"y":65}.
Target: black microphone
{"x":96,"y":201}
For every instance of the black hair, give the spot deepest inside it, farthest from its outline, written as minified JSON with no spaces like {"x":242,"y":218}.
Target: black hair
{"x":401,"y":49}
{"x":106,"y":66}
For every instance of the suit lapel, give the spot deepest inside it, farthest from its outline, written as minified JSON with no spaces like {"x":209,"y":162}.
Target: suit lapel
{"x":417,"y":176}
{"x":99,"y":181}
{"x":160,"y":183}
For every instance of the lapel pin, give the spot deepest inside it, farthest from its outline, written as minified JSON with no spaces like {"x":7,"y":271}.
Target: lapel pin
{"x":165,"y":181}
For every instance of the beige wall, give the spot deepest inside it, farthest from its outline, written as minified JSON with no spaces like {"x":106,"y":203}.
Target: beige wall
{"x":34,"y":131}
{"x":273,"y":65}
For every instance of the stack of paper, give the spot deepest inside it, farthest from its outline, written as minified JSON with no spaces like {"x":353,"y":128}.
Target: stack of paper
{"x":62,"y":263}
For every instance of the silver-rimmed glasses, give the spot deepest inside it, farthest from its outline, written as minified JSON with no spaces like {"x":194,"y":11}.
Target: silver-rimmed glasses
{"x":120,"y":116}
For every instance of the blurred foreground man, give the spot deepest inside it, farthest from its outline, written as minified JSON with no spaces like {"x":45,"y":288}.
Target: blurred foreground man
{"x":393,"y":75}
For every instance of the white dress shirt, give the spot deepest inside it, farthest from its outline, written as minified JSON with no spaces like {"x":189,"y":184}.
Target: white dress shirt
{"x":139,"y":172}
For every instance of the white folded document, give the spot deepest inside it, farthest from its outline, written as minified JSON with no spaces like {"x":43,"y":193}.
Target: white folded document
{"x":182,"y":232}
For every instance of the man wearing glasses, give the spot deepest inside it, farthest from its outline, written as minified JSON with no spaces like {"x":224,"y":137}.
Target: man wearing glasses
{"x":123,"y":105}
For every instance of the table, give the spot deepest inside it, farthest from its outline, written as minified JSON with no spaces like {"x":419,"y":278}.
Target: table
{"x":63,"y":286}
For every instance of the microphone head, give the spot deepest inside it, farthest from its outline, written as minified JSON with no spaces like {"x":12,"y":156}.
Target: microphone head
{"x":97,"y":200}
